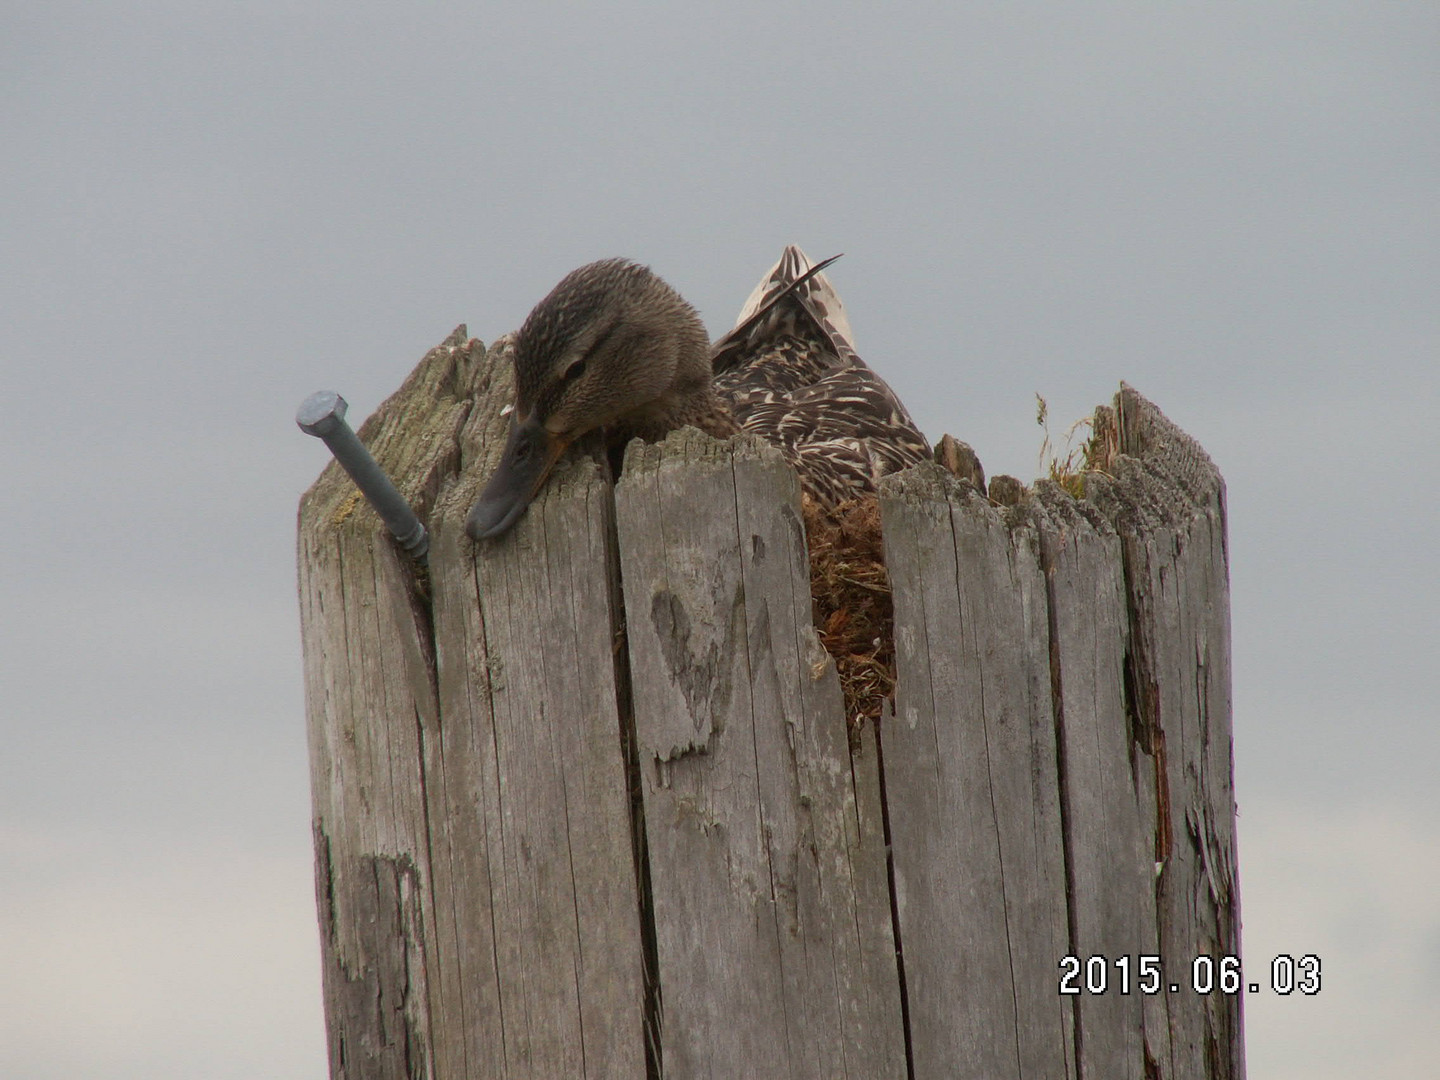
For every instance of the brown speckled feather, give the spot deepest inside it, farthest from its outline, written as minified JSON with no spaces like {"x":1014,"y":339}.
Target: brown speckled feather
{"x":791,"y":375}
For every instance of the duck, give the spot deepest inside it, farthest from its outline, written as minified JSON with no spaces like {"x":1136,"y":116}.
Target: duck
{"x":615,"y":349}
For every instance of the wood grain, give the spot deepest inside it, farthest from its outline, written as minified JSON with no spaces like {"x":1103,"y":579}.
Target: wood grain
{"x":370,"y":696}
{"x":1166,"y":501}
{"x":973,"y":797}
{"x":772,"y":922}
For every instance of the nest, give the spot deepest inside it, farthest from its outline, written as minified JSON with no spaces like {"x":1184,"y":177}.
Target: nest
{"x":850,"y":591}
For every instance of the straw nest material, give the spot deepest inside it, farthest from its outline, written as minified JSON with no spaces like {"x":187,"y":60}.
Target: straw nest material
{"x":850,"y":591}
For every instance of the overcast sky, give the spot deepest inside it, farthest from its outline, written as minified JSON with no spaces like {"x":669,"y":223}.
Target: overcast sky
{"x":210,"y":210}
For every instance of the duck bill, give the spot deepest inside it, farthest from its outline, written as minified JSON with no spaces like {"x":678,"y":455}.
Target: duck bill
{"x":530,"y":454}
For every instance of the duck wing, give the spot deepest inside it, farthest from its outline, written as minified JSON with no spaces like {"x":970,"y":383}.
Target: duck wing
{"x":792,"y":376}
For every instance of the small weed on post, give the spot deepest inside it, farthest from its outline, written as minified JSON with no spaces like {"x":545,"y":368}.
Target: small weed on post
{"x":1067,"y":471}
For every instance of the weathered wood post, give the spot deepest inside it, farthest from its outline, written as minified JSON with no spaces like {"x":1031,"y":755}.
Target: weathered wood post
{"x":587,"y":803}
{"x":1048,"y":655}
{"x":766,"y":844}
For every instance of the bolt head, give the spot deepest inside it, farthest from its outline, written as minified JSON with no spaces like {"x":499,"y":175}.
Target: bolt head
{"x":321,"y":413}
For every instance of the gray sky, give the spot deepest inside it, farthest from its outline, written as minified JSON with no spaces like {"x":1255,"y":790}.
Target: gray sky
{"x":211,"y":210}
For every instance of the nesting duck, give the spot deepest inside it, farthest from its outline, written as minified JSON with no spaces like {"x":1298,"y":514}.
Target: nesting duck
{"x":614,"y":348}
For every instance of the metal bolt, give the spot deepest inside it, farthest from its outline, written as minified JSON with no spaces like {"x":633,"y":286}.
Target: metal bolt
{"x":322,"y":414}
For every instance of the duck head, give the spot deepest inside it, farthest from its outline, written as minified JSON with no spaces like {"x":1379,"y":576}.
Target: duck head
{"x":612,"y":347}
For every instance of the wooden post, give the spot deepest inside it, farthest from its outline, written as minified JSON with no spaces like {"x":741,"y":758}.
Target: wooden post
{"x":371,"y":701}
{"x":1166,"y":501}
{"x":586,"y":804}
{"x":971,"y":781}
{"x":1058,"y":772}
{"x":767,"y":850}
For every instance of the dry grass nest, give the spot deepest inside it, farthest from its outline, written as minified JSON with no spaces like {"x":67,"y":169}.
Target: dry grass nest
{"x":850,"y":591}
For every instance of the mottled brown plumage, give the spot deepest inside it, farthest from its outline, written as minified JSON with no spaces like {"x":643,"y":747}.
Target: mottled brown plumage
{"x":791,"y":375}
{"x":614,"y":348}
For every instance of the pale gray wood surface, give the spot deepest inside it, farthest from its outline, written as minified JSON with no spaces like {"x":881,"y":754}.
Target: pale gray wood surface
{"x":1107,"y":782}
{"x":1137,"y":658}
{"x":477,"y":887}
{"x":772,"y":921}
{"x":536,"y":911}
{"x":970,"y":778}
{"x":1167,"y":502}
{"x":370,"y":697}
